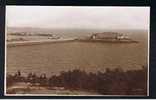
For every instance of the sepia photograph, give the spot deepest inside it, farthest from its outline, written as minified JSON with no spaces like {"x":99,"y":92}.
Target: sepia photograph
{"x":77,"y":51}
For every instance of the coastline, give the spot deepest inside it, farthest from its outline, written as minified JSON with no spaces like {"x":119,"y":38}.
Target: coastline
{"x":24,"y":43}
{"x":107,"y":41}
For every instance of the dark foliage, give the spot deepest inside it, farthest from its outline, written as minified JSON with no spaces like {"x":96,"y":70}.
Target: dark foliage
{"x":110,"y":82}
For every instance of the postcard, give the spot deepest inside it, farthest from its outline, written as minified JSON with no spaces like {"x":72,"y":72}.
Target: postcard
{"x":77,"y":51}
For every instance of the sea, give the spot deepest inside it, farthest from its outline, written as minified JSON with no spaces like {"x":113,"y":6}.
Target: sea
{"x":52,"y":58}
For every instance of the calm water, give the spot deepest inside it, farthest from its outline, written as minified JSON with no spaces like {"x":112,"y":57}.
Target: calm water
{"x":56,"y":57}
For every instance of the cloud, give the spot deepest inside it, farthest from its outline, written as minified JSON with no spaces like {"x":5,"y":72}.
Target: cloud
{"x":78,"y":17}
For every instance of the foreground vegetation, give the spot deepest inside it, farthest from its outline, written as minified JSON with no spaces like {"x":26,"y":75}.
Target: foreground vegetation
{"x":111,"y":82}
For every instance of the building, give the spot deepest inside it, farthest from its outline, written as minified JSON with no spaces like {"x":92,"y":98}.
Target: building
{"x":106,"y":35}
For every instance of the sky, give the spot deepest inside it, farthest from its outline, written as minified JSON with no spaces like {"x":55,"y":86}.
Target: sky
{"x":78,"y":17}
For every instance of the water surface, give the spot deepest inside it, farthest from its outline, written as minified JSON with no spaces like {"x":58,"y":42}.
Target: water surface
{"x":89,"y":56}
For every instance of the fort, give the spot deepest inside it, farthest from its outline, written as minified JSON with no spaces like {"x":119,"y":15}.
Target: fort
{"x":108,"y":37}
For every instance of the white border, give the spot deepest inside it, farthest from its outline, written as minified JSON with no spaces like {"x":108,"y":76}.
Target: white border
{"x":148,"y":55}
{"x":5,"y":52}
{"x":148,"y":51}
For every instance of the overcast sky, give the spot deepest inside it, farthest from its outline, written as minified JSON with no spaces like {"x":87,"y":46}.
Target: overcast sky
{"x":78,"y":17}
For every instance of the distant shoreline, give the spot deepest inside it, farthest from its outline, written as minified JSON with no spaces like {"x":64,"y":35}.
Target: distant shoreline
{"x":23,"y":43}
